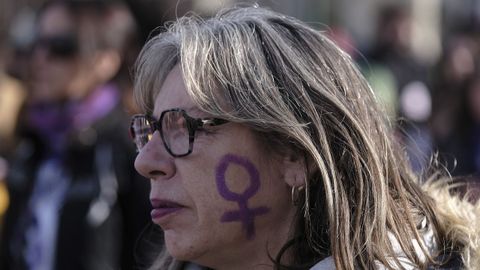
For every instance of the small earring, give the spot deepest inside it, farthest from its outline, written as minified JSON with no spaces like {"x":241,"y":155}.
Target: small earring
{"x":295,"y":195}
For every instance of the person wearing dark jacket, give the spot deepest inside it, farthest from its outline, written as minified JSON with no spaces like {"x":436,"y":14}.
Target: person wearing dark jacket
{"x":76,"y":200}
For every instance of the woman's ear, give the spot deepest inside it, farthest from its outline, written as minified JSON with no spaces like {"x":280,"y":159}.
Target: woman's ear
{"x":295,"y":170}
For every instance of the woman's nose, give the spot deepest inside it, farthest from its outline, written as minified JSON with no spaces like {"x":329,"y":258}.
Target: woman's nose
{"x":153,"y":160}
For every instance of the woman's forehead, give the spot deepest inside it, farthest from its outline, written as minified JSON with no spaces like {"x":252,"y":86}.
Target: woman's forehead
{"x":172,"y":93}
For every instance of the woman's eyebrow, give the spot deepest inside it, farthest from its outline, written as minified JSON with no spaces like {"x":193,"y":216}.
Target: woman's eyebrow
{"x":189,"y":110}
{"x":195,"y":110}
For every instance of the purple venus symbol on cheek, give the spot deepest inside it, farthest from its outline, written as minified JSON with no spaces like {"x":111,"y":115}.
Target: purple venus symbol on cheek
{"x":244,"y":214}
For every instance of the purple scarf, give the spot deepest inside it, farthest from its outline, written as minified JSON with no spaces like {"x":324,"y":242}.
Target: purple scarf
{"x":53,"y":121}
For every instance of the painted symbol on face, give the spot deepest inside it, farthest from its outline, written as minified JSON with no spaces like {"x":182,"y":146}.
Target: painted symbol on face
{"x":244,"y":214}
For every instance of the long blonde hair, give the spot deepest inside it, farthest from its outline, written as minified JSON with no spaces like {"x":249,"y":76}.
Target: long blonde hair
{"x":290,"y":83}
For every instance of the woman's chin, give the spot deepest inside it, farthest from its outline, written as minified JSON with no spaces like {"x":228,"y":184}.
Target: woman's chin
{"x":179,"y":247}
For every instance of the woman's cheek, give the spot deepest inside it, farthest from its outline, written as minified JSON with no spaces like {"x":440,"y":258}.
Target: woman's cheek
{"x":242,"y":186}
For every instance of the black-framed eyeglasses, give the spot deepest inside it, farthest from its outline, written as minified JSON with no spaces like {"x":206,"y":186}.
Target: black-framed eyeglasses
{"x":177,"y":130}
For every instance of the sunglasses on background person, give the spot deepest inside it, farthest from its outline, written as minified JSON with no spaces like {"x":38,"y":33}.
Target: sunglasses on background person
{"x":58,"y":46}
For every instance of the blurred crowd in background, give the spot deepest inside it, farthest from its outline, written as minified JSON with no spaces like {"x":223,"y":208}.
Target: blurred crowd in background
{"x":69,"y":195}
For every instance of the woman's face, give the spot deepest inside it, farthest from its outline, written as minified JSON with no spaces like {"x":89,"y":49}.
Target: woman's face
{"x":60,"y":67}
{"x":54,"y":59}
{"x":227,"y":202}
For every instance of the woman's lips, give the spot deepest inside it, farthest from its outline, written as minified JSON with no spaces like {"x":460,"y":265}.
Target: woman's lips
{"x":162,"y":208}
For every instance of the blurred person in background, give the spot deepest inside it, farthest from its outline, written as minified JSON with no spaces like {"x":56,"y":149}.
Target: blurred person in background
{"x":76,"y":201}
{"x":403,"y":84}
{"x":458,"y":139}
{"x":12,"y":97}
{"x":472,"y":131}
{"x":454,"y":118}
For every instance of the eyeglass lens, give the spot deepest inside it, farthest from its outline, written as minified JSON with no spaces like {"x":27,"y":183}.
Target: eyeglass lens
{"x":175,"y":133}
{"x":141,"y":131}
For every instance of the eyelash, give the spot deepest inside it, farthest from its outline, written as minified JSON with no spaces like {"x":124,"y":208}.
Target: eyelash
{"x":207,"y":130}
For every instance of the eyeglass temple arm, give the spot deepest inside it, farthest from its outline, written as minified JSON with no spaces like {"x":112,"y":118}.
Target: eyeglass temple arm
{"x":212,"y":122}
